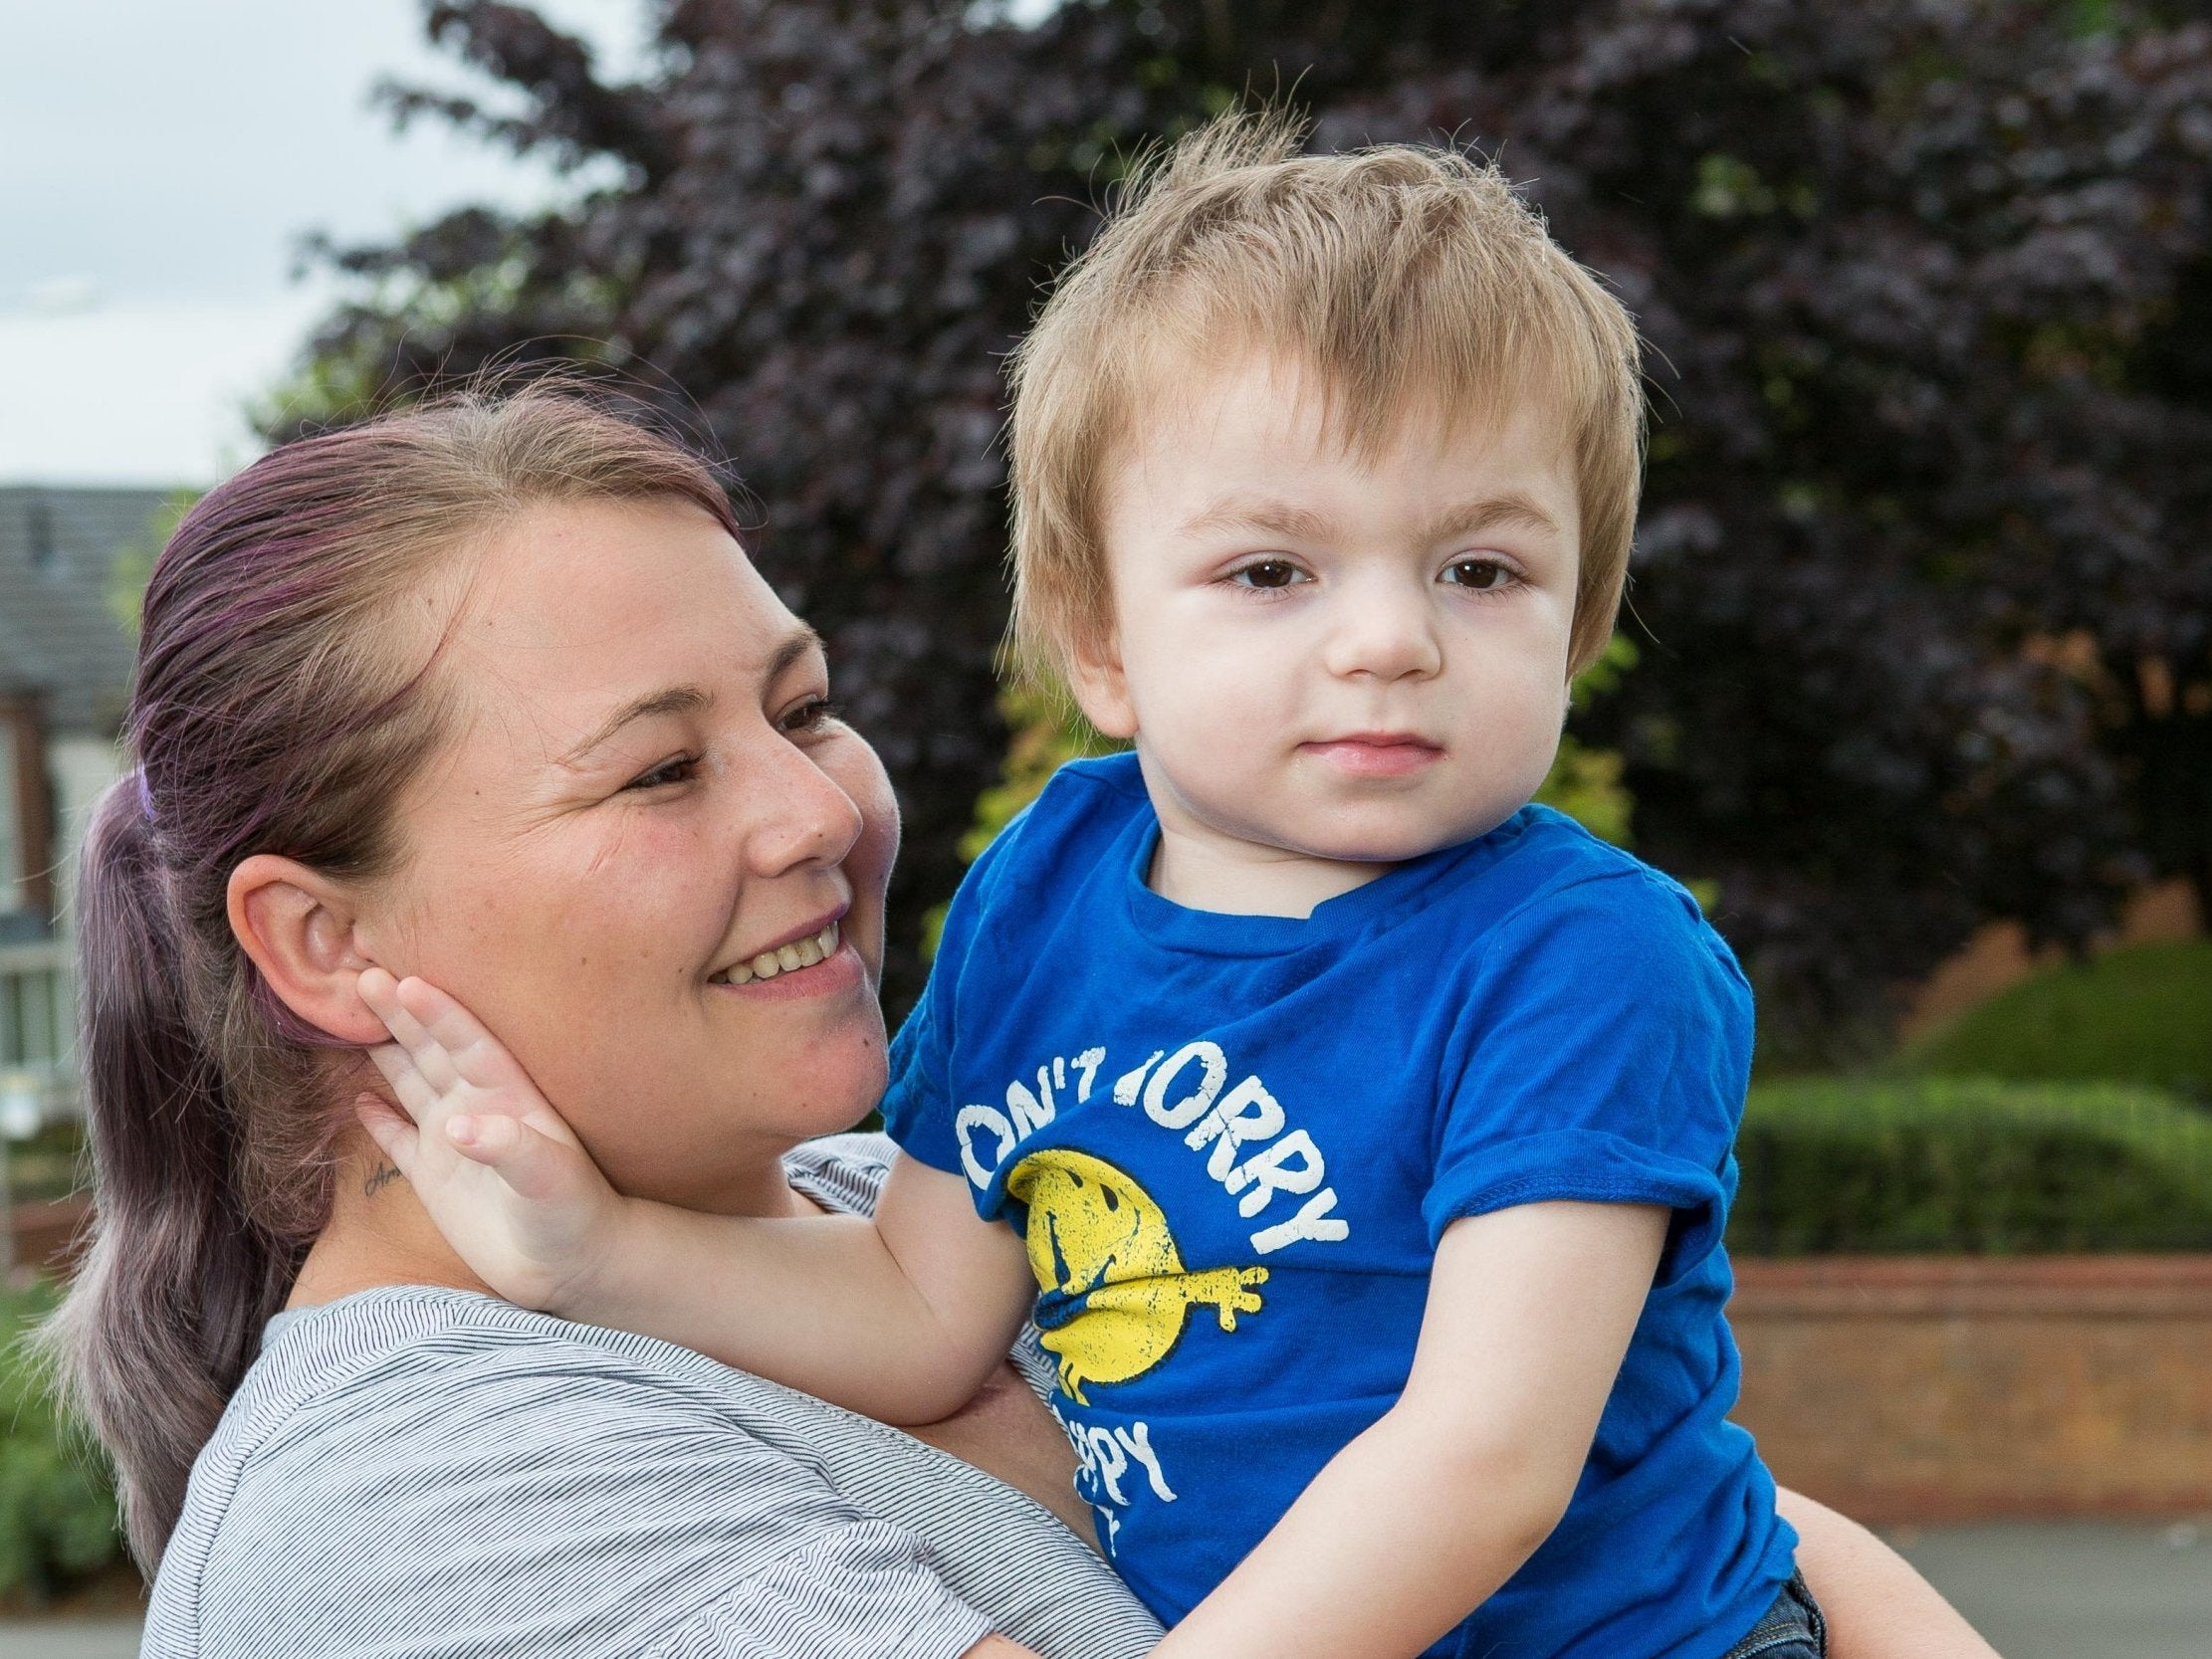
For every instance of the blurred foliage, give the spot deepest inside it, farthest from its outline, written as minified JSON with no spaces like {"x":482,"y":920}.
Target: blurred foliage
{"x":57,"y":1515}
{"x":1924,"y":584}
{"x":2139,"y":1015}
{"x":133,"y":562}
{"x":1043,"y":730}
{"x":52,"y":1163}
{"x":1585,"y":783}
{"x":1969,"y":1164}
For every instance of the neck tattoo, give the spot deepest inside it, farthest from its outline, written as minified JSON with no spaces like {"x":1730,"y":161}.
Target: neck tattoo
{"x":385,"y":1174}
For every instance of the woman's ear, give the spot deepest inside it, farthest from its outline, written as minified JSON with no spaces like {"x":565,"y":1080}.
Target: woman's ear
{"x":297,"y":927}
{"x":1100,"y":688}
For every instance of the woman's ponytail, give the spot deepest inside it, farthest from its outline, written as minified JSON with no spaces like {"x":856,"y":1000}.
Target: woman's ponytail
{"x":172,"y":1291}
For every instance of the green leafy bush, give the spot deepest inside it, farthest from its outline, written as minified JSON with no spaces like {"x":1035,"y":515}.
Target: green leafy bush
{"x":2140,"y":1015}
{"x":58,"y":1517}
{"x":1969,"y":1164}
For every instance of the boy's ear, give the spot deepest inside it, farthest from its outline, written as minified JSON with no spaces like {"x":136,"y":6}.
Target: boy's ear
{"x":299,"y":927}
{"x":1100,"y":689}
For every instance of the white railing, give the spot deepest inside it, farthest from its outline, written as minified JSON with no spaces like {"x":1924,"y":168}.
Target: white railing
{"x":38,"y":1034}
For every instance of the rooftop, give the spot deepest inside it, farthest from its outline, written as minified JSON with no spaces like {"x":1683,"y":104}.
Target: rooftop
{"x":60,"y":630}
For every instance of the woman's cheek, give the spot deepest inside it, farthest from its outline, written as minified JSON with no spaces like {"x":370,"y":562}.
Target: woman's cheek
{"x":651,"y":885}
{"x":854,"y":767}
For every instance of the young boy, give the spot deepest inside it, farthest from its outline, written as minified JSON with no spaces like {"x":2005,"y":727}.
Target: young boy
{"x":1366,"y":1129}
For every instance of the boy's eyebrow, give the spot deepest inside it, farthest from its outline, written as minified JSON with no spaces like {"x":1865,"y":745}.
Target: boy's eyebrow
{"x":1511,"y":511}
{"x":1269,"y":517}
{"x":686,"y":700}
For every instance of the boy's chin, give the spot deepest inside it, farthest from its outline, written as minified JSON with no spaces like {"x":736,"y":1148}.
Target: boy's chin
{"x":1393,"y":839}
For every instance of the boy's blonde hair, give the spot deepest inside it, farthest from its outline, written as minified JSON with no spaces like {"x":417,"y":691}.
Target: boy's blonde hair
{"x":1407,"y":278}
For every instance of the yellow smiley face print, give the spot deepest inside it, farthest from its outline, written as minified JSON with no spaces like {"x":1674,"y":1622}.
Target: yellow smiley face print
{"x":1116,"y":1292}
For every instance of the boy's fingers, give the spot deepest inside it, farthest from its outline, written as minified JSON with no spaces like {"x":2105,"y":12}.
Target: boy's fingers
{"x":375,"y":987}
{"x":398,"y":1067}
{"x":428,"y":1054}
{"x":395,"y":1136}
{"x":525,"y":1159}
{"x":477,"y":1055}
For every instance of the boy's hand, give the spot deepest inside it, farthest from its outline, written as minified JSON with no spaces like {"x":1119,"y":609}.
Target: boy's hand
{"x":506,"y":1180}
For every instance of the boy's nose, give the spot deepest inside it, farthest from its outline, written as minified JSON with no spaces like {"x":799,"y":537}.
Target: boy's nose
{"x":1387,"y":637}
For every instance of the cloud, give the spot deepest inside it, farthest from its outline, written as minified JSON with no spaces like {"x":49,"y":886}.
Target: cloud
{"x":141,"y":392}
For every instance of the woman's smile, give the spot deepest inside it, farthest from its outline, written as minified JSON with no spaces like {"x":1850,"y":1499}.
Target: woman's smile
{"x":819,"y":964}
{"x":801,"y":949}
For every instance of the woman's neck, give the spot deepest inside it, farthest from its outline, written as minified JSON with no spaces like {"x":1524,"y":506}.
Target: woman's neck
{"x":378,"y":1233}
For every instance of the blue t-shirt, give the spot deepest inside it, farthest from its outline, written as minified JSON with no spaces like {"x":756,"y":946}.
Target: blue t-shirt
{"x":1232,"y":1142}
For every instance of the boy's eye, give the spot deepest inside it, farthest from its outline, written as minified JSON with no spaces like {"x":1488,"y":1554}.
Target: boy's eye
{"x":1482,"y":574}
{"x":1268,"y":573}
{"x":677,"y":769}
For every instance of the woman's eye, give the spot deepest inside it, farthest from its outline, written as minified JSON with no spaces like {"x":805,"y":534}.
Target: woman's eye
{"x":681,"y":769}
{"x":1482,"y":574}
{"x":810,"y":716}
{"x":1268,"y":573}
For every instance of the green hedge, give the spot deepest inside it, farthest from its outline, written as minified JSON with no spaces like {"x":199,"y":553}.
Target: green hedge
{"x":1970,"y":1166}
{"x":2140,"y":1015}
{"x":58,"y":1517}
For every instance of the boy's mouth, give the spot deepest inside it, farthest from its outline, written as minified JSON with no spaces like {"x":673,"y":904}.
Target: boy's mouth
{"x":1376,"y":754}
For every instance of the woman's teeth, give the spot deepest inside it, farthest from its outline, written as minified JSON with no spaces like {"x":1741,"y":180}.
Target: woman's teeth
{"x":785,"y":959}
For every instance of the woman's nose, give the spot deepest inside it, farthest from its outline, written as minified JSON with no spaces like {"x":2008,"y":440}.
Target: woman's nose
{"x":799,"y":814}
{"x":1384,"y":634}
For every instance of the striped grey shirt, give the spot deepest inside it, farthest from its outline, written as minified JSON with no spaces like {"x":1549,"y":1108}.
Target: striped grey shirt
{"x":415,"y":1472}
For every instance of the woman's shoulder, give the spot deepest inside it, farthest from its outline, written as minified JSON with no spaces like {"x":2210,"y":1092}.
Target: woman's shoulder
{"x":455,"y":1382}
{"x":842,"y":1171}
{"x":476,"y":1430}
{"x":368,"y":1366}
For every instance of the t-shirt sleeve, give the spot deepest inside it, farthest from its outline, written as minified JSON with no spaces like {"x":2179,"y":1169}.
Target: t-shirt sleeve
{"x":918,"y":1100}
{"x":918,"y":1106}
{"x":1603,"y":1050}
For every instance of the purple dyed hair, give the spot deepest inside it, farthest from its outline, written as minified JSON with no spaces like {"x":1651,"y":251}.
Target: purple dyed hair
{"x":285,"y":697}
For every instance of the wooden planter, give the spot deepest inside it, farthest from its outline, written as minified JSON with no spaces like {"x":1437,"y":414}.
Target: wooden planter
{"x":1923,"y":1388}
{"x":1951,"y":1389}
{"x":41,"y":1233}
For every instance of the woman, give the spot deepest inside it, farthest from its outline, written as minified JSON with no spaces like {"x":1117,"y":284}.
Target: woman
{"x":488,"y":692}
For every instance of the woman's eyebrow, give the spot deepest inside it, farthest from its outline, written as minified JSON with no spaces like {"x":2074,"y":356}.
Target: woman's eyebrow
{"x":797,"y":644}
{"x":687,"y":700}
{"x":676,"y":700}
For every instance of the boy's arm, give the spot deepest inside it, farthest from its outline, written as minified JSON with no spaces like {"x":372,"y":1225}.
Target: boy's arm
{"x":900,"y":1316}
{"x":1878,"y":1606}
{"x":1416,"y":1522}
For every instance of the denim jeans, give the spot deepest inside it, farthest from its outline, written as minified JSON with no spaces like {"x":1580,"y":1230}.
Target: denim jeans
{"x":1791,"y":1629}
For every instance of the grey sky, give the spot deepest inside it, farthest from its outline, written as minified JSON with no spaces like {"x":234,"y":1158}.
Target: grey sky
{"x":158,"y":161}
